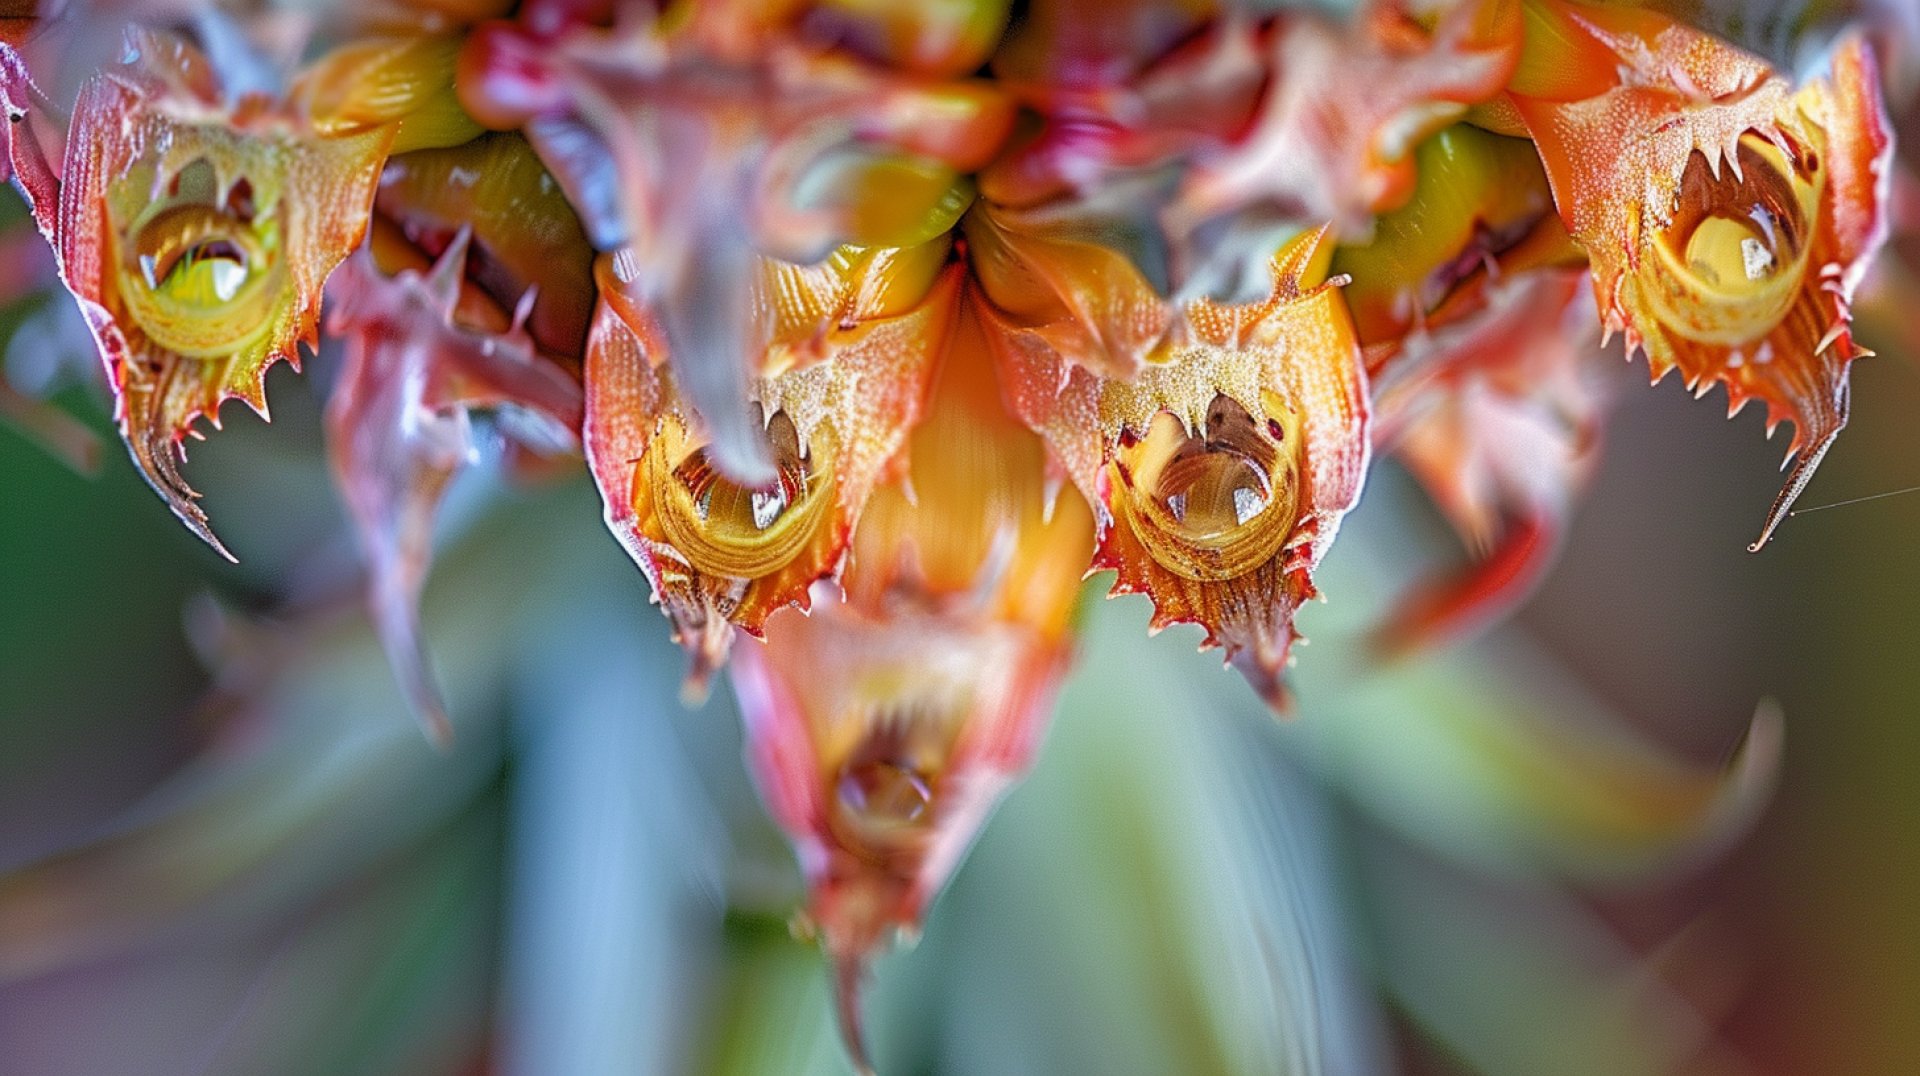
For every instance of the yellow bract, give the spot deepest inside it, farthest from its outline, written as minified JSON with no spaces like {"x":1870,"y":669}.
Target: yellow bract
{"x":403,"y":82}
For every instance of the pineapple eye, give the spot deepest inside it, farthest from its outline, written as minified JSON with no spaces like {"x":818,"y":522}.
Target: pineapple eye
{"x":200,"y":268}
{"x":882,"y":807}
{"x":725,"y":529}
{"x":1733,"y":258}
{"x":184,"y":254}
{"x":1215,"y":502}
{"x":883,"y":794}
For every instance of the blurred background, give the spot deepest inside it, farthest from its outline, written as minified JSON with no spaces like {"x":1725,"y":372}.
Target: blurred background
{"x":1543,"y":852}
{"x":1662,"y":821}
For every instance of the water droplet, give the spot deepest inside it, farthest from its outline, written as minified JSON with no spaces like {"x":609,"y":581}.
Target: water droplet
{"x":885,"y":791}
{"x":1758,"y":259}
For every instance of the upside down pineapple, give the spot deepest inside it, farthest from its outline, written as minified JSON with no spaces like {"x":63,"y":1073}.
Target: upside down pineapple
{"x":879,"y":327}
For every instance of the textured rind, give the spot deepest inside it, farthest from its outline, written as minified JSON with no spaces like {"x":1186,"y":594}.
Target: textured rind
{"x":1616,"y":160}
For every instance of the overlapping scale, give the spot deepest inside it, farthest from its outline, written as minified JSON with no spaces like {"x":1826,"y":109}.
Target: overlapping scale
{"x":196,"y":233}
{"x":1223,"y":468}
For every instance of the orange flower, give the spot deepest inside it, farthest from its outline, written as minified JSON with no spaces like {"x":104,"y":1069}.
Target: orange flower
{"x":847,"y":347}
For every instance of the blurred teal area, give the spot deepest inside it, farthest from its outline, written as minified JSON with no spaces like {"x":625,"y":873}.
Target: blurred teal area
{"x":1564,"y":848}
{"x":85,"y":576}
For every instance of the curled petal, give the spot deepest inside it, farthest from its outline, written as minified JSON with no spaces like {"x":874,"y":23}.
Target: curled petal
{"x":1728,"y":218}
{"x":399,"y":429}
{"x":29,"y":145}
{"x":1503,"y":573}
{"x":1542,"y":774}
{"x":1499,"y":417}
{"x":530,"y":244}
{"x":1076,"y":296}
{"x":402,"y":81}
{"x":1480,"y":211}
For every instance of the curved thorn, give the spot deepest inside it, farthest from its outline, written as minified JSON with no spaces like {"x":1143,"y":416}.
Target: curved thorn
{"x":1797,"y":480}
{"x":847,"y":972}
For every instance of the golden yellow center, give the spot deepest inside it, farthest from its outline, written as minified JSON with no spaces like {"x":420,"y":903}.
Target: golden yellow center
{"x":1213,"y":502}
{"x":733,"y":531}
{"x":1730,"y":263}
{"x":199,"y":270}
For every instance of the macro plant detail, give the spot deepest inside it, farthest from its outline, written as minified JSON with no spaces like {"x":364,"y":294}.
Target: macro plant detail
{"x":880,"y":328}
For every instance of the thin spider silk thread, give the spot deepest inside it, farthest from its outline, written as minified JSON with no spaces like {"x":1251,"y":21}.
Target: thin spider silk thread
{"x":1854,"y":500}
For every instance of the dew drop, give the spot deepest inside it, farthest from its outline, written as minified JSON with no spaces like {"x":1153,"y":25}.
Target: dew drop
{"x":885,"y":791}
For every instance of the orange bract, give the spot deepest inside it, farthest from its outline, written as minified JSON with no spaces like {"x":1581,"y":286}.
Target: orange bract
{"x":885,"y":725}
{"x":1727,"y":217}
{"x":848,"y":356}
{"x":1499,"y":416}
{"x":1223,"y":469}
{"x":196,"y":234}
